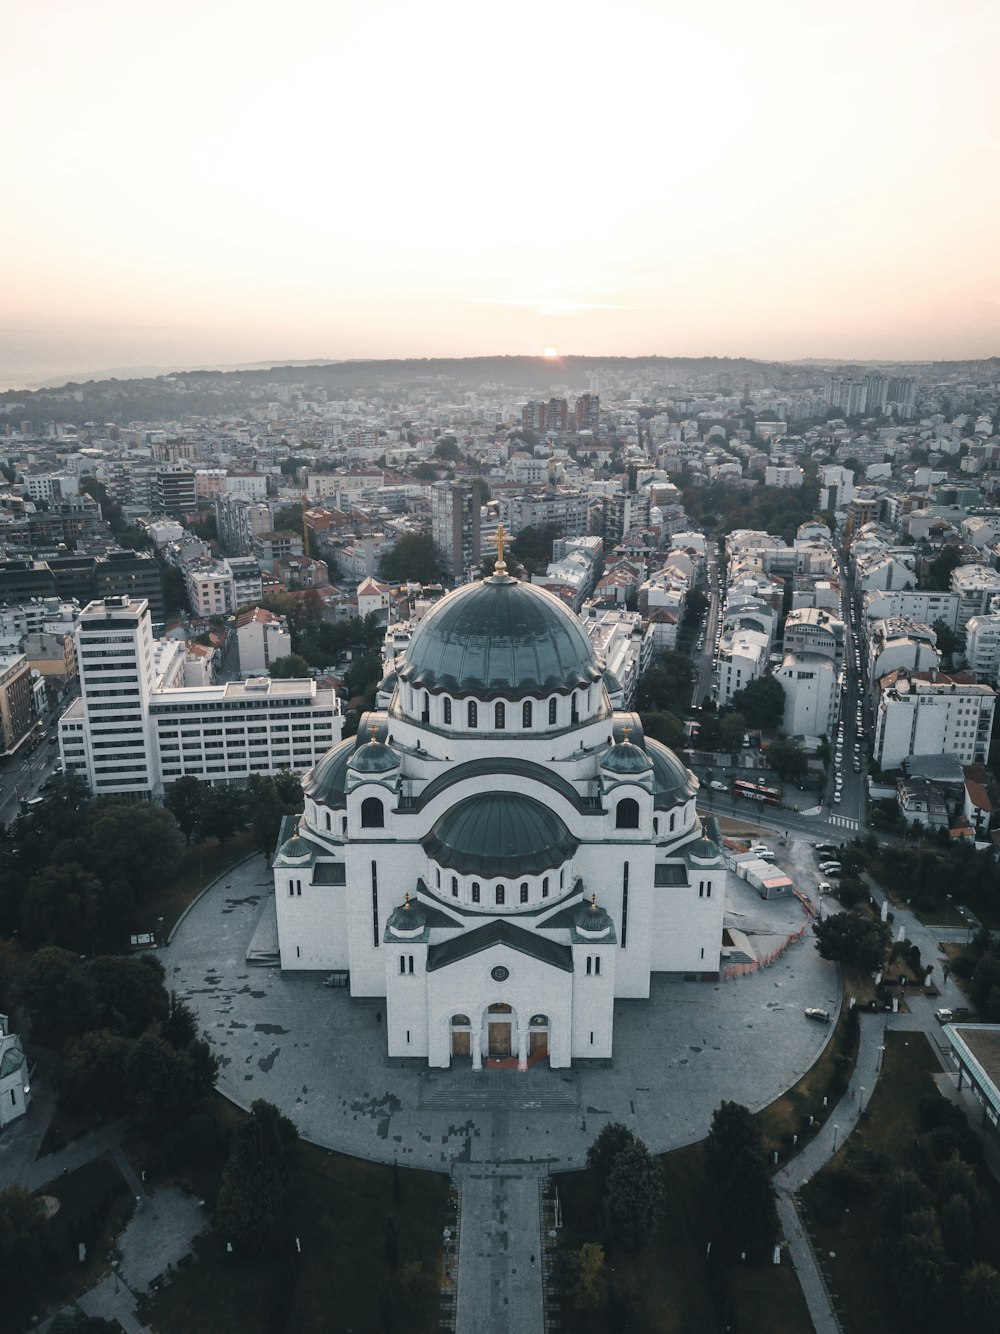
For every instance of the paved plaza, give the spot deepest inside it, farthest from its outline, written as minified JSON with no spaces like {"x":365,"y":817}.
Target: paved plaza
{"x":320,"y":1056}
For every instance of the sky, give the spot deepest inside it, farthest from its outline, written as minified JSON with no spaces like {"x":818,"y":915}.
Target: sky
{"x":212,"y":181}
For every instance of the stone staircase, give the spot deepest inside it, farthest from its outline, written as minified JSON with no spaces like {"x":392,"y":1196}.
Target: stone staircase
{"x":500,"y":1090}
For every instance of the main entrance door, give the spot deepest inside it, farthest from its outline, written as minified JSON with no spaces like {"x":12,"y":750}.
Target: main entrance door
{"x":499,"y":1030}
{"x":461,"y":1035}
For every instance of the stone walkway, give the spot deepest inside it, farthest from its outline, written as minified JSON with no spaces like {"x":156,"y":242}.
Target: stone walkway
{"x":500,"y":1254}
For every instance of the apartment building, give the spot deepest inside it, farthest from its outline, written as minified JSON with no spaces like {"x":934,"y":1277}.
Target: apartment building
{"x":811,"y":682}
{"x":982,"y":645}
{"x":976,"y":586}
{"x":17,"y":707}
{"x":812,"y":630}
{"x":129,"y":734}
{"x":933,"y":713}
{"x":263,"y":638}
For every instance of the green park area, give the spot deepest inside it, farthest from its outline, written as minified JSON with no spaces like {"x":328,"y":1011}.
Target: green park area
{"x":655,"y":1246}
{"x":905,"y":1220}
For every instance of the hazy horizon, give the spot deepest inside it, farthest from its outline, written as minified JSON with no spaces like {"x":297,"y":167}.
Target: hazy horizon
{"x":208,"y":185}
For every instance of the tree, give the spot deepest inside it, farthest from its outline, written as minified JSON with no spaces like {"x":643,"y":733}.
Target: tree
{"x":744,"y":1212}
{"x":852,"y":938}
{"x":130,"y":992}
{"x":532,"y":547}
{"x":947,"y":640}
{"x":447,"y":448}
{"x":981,"y":1297}
{"x":588,"y":1277}
{"x":666,"y":685}
{"x":22,"y":1238}
{"x":93,"y":1077}
{"x":252,"y":1190}
{"x":665,"y":727}
{"x":180,"y":1027}
{"x":59,"y":996}
{"x":413,"y":559}
{"x":223,"y":814}
{"x":633,"y":1196}
{"x":136,"y":843}
{"x":612,"y":1140}
{"x":425,"y":472}
{"x":938,"y":571}
{"x":788,"y":760}
{"x":291,"y":668}
{"x":61,"y":906}
{"x":762,"y":703}
{"x":78,"y":1322}
{"x":165,"y":1085}
{"x":184,"y":799}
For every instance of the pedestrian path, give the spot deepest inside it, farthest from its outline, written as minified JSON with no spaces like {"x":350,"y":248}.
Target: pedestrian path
{"x":500,"y":1254}
{"x":816,"y":1154}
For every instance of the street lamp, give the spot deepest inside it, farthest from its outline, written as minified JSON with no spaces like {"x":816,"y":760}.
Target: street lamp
{"x":836,"y":1132}
{"x":861,"y":1101}
{"x":948,"y":913}
{"x":881,"y":1053}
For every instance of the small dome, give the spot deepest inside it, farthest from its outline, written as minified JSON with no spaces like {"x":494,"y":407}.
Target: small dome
{"x":408,"y":919}
{"x":296,"y":849}
{"x":591,"y":919}
{"x":499,"y":834}
{"x":327,"y":780}
{"x":703,"y":850}
{"x":500,"y":636}
{"x":373,"y":758}
{"x":626,"y":759}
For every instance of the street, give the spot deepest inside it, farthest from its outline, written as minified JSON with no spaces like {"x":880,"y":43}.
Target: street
{"x":22,"y":776}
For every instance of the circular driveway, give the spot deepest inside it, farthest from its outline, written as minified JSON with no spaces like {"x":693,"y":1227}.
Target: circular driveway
{"x":320,"y":1056}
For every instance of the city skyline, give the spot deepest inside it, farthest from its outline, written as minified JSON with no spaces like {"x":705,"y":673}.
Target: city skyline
{"x":197,"y":186}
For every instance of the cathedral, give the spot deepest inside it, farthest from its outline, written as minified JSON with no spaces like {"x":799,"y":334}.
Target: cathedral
{"x":499,"y":853}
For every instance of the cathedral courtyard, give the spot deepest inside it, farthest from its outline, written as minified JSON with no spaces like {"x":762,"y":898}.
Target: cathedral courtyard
{"x":321,"y":1057}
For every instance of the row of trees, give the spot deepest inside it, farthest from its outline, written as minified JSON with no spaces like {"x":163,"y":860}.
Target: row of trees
{"x":80,"y":872}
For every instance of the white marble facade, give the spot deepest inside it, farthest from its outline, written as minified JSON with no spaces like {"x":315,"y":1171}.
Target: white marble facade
{"x":499,"y":854}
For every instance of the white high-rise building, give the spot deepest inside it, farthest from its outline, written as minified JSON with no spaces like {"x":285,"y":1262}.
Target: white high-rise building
{"x":130,"y":732}
{"x":933,"y":713}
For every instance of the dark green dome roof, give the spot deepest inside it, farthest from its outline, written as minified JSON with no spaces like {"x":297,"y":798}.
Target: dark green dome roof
{"x":374,"y":758}
{"x":296,"y":848}
{"x":327,"y":781}
{"x":672,"y":784}
{"x":500,"y":636}
{"x":626,"y":759}
{"x":408,"y":916}
{"x":499,"y":833}
{"x":592,"y":918}
{"x":703,"y":849}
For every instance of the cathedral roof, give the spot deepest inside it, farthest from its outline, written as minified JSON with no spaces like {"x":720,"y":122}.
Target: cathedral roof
{"x":672,"y":783}
{"x":499,"y":834}
{"x":500,"y":636}
{"x":374,"y":758}
{"x":592,"y":920}
{"x":327,"y":780}
{"x":407,"y":920}
{"x":500,"y":933}
{"x":626,"y":759}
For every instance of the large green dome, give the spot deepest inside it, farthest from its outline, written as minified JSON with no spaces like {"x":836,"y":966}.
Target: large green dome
{"x":499,"y":833}
{"x":500,"y":637}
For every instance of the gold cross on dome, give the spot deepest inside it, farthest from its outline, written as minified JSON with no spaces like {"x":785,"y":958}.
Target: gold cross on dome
{"x":500,"y":540}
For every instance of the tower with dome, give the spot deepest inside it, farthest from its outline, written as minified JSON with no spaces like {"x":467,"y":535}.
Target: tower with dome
{"x":499,"y":853}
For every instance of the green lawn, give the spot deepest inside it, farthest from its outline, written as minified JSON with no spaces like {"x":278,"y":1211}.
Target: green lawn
{"x":856,"y":1274}
{"x":338,"y":1208}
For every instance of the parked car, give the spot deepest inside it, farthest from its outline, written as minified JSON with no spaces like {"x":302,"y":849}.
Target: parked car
{"x":823,"y":887}
{"x":943,"y":1016}
{"x":826,"y":849}
{"x":830,"y":868}
{"x":821,"y":1016}
{"x":718,"y":786}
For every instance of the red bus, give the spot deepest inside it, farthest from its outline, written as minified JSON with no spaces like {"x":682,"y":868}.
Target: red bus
{"x":756,"y":792}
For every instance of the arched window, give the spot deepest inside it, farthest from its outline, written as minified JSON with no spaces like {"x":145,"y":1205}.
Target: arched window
{"x":454,"y":886}
{"x":425,"y":712}
{"x":475,"y":891}
{"x":672,"y":819}
{"x":372,"y":814}
{"x":574,"y":715}
{"x":545,"y":888}
{"x":552,"y":712}
{"x":562,"y":878}
{"x":501,"y":894}
{"x":437,"y":872}
{"x":460,"y":1021}
{"x":656,"y":825}
{"x":526,"y":713}
{"x":627,"y":814}
{"x":411,"y":964}
{"x":524,"y":892}
{"x":402,"y":964}
{"x":329,"y":820}
{"x":473,"y":712}
{"x":447,"y":711}
{"x":499,"y":716}
{"x":597,"y":964}
{"x":590,"y":965}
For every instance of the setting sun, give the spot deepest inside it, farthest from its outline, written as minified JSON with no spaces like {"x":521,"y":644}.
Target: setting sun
{"x":551,"y":352}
